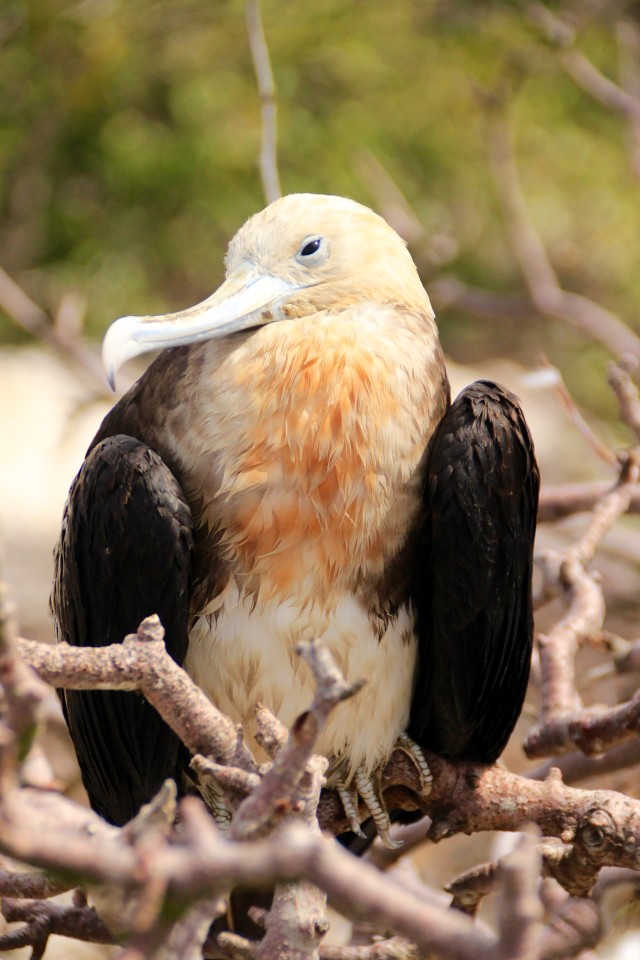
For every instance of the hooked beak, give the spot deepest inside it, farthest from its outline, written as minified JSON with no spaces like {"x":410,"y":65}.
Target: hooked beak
{"x":246,"y":299}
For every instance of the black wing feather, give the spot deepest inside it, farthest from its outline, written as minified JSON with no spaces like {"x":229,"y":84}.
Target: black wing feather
{"x":472,"y":583}
{"x":125,"y":552}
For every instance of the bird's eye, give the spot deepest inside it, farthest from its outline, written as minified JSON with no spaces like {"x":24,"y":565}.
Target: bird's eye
{"x":312,"y":247}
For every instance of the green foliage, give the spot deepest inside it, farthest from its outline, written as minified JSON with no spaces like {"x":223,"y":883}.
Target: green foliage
{"x":129,"y":137}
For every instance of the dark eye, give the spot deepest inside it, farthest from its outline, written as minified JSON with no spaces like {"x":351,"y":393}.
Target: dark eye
{"x":312,"y":247}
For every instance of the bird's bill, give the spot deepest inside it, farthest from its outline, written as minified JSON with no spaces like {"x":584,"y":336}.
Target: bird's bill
{"x":246,"y":299}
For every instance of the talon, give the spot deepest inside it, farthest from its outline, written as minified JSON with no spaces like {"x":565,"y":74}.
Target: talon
{"x":414,"y":752}
{"x":215,"y":802}
{"x":369,"y":790}
{"x":349,"y":799}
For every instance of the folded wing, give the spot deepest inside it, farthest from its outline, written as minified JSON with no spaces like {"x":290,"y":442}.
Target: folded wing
{"x":472,"y":582}
{"x":125,"y":552}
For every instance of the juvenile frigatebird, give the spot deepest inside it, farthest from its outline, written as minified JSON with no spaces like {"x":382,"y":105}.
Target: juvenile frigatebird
{"x":292,"y":467}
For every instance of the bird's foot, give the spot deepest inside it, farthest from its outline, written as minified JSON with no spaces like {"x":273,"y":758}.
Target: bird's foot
{"x":367,"y":786}
{"x":349,"y":798}
{"x":415,"y":754}
{"x":214,"y":799}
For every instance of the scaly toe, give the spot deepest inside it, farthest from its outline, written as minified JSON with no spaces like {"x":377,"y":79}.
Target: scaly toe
{"x":370,"y":791}
{"x":349,"y":799}
{"x":414,"y":752}
{"x":214,"y":800}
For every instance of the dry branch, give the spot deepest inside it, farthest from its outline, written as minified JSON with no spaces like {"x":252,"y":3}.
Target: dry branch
{"x":564,"y":725}
{"x":397,"y":948}
{"x":43,"y":919}
{"x":519,"y":906}
{"x":187,"y":871}
{"x":622,"y":98}
{"x":268,"y":106}
{"x":543,"y":285}
{"x":34,"y":321}
{"x":578,"y":767}
{"x":465,"y":798}
{"x":142,"y":663}
{"x":557,"y":502}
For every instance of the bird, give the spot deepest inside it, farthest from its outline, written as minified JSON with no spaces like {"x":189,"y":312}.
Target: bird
{"x":290,"y":466}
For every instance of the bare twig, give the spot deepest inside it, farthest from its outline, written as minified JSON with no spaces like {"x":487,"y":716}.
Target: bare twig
{"x":621,"y":382}
{"x":557,"y":502}
{"x":396,"y":948}
{"x":563,"y":724}
{"x":464,"y":797}
{"x":601,"y":88}
{"x":469,"y":889}
{"x":270,"y":734}
{"x":293,"y":784}
{"x":581,"y":69}
{"x":276,"y":793}
{"x":576,"y":767}
{"x":268,"y":107}
{"x":547,"y":294}
{"x":31,"y":318}
{"x":391,"y":202}
{"x":574,"y":926}
{"x":622,"y":98}
{"x":519,"y":906}
{"x":449,"y":292}
{"x":608,"y":511}
{"x":45,"y":918}
{"x":24,"y":692}
{"x":142,"y":663}
{"x":629,"y":68}
{"x":593,"y":730}
{"x":550,"y":376}
{"x":36,"y":886}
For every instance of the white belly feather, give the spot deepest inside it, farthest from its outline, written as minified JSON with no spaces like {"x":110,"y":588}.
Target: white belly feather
{"x":246,"y":655}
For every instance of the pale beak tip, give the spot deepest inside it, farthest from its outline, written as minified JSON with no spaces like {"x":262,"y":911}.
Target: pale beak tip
{"x":118,"y":346}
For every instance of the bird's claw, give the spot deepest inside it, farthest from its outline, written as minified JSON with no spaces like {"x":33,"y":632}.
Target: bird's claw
{"x":349,"y":799}
{"x":215,"y":801}
{"x":370,"y":789}
{"x":414,"y":752}
{"x":367,"y":786}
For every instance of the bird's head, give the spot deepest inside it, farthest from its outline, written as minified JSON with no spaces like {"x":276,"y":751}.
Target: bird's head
{"x":302,"y":254}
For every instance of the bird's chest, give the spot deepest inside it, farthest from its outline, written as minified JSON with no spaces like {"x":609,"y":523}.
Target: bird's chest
{"x":307,"y":464}
{"x":308,"y":467}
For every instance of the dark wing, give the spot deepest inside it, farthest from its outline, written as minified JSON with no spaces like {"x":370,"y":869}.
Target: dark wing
{"x":125,"y":552}
{"x":472,"y":585}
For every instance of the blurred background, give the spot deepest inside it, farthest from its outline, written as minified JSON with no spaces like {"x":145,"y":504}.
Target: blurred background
{"x":129,"y":138}
{"x":129,"y":145}
{"x":501,"y":139}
